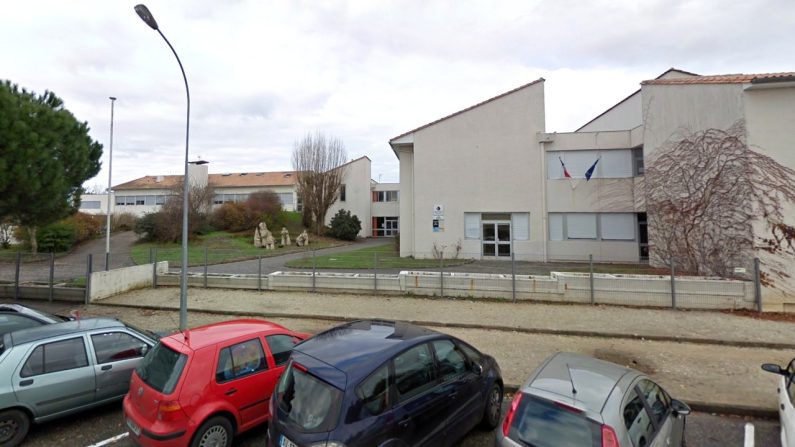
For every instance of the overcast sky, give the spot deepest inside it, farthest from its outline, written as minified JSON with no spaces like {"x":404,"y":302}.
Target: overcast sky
{"x":264,"y":73}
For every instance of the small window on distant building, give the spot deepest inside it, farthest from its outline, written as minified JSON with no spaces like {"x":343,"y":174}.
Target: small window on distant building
{"x":91,"y":205}
{"x":150,"y":200}
{"x":140,"y":200}
{"x":342,"y":193}
{"x":129,"y":200}
{"x":160,"y":200}
{"x":120,"y":200}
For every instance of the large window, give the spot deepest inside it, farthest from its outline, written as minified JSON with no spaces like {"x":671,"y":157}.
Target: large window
{"x":593,"y":226}
{"x":612,"y":163}
{"x":240,"y":360}
{"x":452,"y":362}
{"x":116,"y":346}
{"x":414,"y":372}
{"x":56,"y":356}
{"x":520,"y":223}
{"x":385,"y":196}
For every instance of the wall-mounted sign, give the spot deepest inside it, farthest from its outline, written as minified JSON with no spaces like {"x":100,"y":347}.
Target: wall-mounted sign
{"x":438,"y":210}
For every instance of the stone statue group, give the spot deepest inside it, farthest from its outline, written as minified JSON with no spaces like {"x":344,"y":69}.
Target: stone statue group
{"x":263,"y":238}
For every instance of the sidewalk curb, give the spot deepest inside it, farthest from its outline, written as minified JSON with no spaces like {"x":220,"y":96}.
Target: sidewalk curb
{"x":539,"y":331}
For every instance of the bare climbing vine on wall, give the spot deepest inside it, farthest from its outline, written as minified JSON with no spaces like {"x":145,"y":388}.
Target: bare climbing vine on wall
{"x":706,"y":192}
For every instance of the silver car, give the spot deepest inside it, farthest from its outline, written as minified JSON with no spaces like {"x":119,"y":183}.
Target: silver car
{"x":575,"y":400}
{"x":57,"y":369}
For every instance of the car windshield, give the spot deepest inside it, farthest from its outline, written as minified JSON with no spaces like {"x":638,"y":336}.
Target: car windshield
{"x":311,"y":404}
{"x":542,"y":423}
{"x":161,"y":368}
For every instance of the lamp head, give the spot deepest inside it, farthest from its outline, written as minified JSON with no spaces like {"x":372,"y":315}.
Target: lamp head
{"x":112,"y":98}
{"x":146,"y":16}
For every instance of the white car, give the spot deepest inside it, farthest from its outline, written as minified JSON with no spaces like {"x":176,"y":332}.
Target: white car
{"x":786,"y":397}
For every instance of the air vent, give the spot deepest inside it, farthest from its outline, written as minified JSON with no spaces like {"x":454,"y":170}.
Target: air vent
{"x":225,"y":175}
{"x":243,"y":173}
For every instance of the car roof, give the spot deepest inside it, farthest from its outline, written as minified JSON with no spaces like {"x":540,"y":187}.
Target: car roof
{"x":208,"y":335}
{"x":30,"y":312}
{"x":58,"y":329}
{"x":592,"y":378}
{"x":358,"y":347}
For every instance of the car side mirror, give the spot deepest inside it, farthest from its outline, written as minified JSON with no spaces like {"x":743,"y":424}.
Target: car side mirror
{"x":477,"y":368}
{"x":679,"y":407}
{"x":775,"y":369}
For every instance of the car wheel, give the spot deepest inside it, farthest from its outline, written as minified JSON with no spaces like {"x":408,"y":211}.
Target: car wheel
{"x":215,"y":432}
{"x":491,"y":414}
{"x":14,"y":425}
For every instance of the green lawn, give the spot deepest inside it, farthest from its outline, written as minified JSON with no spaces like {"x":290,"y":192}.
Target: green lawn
{"x":221,"y":247}
{"x":386,"y":256}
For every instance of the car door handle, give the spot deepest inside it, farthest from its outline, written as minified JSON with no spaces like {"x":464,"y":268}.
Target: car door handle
{"x":106,"y":367}
{"x":404,"y":422}
{"x":231,"y":392}
{"x":26,"y":382}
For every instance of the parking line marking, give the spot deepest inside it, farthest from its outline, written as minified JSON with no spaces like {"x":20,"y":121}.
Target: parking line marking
{"x":110,"y":440}
{"x":749,"y":435}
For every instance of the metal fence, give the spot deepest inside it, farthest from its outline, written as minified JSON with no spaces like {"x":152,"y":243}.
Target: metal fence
{"x":578,"y":279}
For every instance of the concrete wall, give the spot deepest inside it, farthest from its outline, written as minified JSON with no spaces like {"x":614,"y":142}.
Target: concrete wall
{"x":103,"y":203}
{"x":113,"y":282}
{"x":406,"y":205}
{"x":624,"y":115}
{"x":358,"y":197}
{"x":476,"y":161}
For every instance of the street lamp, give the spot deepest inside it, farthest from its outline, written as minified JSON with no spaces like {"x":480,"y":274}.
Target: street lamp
{"x":110,"y":171}
{"x":147,"y":17}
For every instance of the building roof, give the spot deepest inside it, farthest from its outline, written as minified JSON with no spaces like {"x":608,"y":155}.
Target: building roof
{"x":238,"y":179}
{"x":726,"y":79}
{"x":467,"y":109}
{"x":670,"y":70}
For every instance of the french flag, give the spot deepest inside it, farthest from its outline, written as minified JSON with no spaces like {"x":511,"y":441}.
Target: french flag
{"x":565,"y":171}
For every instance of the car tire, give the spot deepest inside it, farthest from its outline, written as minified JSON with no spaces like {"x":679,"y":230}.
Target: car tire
{"x":14,"y":426}
{"x":493,"y":407}
{"x":214,"y":431}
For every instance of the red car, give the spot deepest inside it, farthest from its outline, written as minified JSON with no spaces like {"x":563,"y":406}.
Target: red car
{"x":203,"y":386}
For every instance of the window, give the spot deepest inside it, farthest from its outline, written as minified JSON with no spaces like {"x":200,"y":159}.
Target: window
{"x":385,"y":196}
{"x":240,"y":360}
{"x":556,"y":227}
{"x":91,"y":205}
{"x":299,"y":205}
{"x":160,"y":200}
{"x":342,"y":193}
{"x":150,"y":200}
{"x":451,"y":360}
{"x":543,"y":423}
{"x":617,"y":226}
{"x":521,"y":226}
{"x":413,"y":372}
{"x":638,"y":167}
{"x":656,"y":399}
{"x":218,"y":199}
{"x":472,"y":225}
{"x":374,"y":391}
{"x":162,"y":368}
{"x":129,"y":200}
{"x":311,"y":405}
{"x":281,"y":346}
{"x":13,"y":322}
{"x":639,"y":427}
{"x":581,"y":225}
{"x":115,"y":346}
{"x":120,"y":200}
{"x":286,"y":198}
{"x":140,"y":200}
{"x":56,"y":356}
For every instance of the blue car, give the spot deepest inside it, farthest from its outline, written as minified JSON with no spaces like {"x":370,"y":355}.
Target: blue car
{"x":383,"y":383}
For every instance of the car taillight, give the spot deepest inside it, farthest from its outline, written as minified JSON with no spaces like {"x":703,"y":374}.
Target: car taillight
{"x":609,"y":438}
{"x":506,"y":424}
{"x":169,"y":410}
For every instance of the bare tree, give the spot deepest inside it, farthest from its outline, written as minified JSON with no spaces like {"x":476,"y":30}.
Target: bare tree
{"x":705,"y":191}
{"x":169,"y":218}
{"x":316,"y":159}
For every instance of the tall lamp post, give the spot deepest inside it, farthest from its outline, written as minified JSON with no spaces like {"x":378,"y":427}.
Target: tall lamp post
{"x":147,"y":17}
{"x":110,"y":173}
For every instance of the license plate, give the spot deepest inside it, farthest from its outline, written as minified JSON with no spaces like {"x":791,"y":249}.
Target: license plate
{"x":284,"y":442}
{"x":133,"y":427}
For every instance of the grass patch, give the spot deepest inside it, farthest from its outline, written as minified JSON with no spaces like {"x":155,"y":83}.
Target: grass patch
{"x":386,"y":256}
{"x":79,"y":282}
{"x":221,"y":247}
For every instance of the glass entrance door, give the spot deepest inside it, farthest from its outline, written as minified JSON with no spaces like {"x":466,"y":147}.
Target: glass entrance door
{"x":496,"y":239}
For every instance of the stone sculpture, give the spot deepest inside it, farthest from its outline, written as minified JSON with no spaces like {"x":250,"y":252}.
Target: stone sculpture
{"x":263,"y":238}
{"x":285,"y":237}
{"x":302,"y":240}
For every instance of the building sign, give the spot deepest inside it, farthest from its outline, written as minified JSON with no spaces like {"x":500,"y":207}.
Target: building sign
{"x":438,"y":218}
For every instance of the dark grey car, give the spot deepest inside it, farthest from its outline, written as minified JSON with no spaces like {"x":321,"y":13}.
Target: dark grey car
{"x":57,"y":369}
{"x":575,"y":400}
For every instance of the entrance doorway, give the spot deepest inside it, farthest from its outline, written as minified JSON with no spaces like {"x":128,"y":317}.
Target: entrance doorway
{"x":496,"y":239}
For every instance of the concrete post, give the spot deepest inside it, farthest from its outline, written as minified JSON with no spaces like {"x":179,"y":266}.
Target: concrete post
{"x":673,"y":282}
{"x":590,"y":276}
{"x":375,"y":272}
{"x":205,"y":267}
{"x":89,"y":268}
{"x":16,"y":276}
{"x":52,"y":276}
{"x":154,"y":268}
{"x":259,"y":273}
{"x":441,"y":274}
{"x":513,"y":275}
{"x":757,"y":285}
{"x":313,"y":270}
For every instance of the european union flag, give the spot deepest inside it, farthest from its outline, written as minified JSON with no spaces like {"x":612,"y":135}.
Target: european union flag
{"x":590,"y":170}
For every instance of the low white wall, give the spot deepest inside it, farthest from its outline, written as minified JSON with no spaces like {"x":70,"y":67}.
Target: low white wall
{"x":113,"y":282}
{"x":628,"y":290}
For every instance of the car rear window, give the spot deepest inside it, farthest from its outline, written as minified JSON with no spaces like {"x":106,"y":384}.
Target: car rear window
{"x":161,"y":368}
{"x":311,"y":405}
{"x":543,"y":423}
